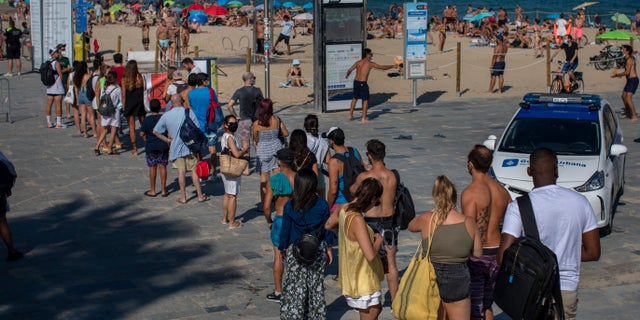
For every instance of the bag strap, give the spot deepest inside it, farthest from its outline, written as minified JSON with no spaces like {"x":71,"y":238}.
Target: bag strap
{"x":528,"y":219}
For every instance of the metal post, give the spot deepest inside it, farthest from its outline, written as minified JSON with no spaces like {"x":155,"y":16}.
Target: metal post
{"x":318,"y":56}
{"x":196,"y":51}
{"x":155,"y":60}
{"x":119,"y":44}
{"x":415,"y":81}
{"x":548,"y":65}
{"x":248,"y":59}
{"x":267,"y":48}
{"x":458,"y":60}
{"x":178,"y":38}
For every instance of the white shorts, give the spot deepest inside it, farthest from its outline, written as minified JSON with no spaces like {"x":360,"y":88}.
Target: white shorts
{"x":231,"y":185}
{"x":365,"y":302}
{"x":113,"y":120}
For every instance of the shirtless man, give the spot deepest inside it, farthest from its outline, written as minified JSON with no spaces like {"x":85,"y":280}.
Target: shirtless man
{"x":360,"y":86}
{"x":145,"y":33}
{"x":498,"y":64}
{"x":162,"y":34}
{"x":384,"y":223}
{"x":632,"y":83}
{"x":484,"y":200}
{"x":173,"y":34}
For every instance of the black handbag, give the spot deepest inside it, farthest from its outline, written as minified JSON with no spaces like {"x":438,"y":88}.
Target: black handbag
{"x":307,"y":247}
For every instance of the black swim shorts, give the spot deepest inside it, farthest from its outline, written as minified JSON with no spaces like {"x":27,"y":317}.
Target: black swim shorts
{"x":360,"y":90}
{"x":631,"y":85}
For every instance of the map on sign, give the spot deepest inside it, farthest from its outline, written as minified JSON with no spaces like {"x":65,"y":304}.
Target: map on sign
{"x":339,"y":58}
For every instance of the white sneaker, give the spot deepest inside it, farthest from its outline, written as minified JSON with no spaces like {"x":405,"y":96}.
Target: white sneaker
{"x":19,"y":74}
{"x":8,"y":74}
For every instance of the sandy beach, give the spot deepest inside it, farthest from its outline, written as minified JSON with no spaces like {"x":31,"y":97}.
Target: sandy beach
{"x":524,"y":73}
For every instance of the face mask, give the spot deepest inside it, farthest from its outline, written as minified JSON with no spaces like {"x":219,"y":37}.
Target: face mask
{"x":566,"y":42}
{"x":253,"y":82}
{"x":233,"y":127}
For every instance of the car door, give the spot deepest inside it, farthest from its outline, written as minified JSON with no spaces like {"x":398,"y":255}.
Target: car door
{"x":614,"y":166}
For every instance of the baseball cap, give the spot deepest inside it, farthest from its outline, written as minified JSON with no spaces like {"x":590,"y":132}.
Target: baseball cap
{"x":285,"y":155}
{"x":296,"y":62}
{"x":61,"y":45}
{"x":177,"y":74}
{"x":53,"y":50}
{"x":333,"y":132}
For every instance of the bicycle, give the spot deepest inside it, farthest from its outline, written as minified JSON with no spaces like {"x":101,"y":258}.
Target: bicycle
{"x":609,"y":57}
{"x":558,"y":85}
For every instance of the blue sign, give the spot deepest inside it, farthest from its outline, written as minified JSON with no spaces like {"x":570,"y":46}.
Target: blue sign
{"x":415,"y":40}
{"x":81,"y":16}
{"x":509,"y":163}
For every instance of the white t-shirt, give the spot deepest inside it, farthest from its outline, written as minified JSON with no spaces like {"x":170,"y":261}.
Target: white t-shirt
{"x":562,"y":216}
{"x":195,"y":70}
{"x":562,"y":27}
{"x":172,"y":88}
{"x":286,"y":27}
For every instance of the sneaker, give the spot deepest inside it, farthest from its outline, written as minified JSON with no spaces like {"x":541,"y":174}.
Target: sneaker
{"x":60,"y":126}
{"x":273,"y":297}
{"x":8,"y":74}
{"x":19,"y":74}
{"x":51,"y":125}
{"x":17,"y":255}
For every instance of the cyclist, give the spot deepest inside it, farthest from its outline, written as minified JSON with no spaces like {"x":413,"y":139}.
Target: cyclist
{"x":570,"y":48}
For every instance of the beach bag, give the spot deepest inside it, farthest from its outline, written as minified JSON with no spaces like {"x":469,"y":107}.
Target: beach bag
{"x":418,"y":296}
{"x":307,"y":247}
{"x":231,"y":166}
{"x":191,"y":135}
{"x":105,"y":105}
{"x":404,"y":210}
{"x":88,"y":87}
{"x":352,"y":168}
{"x":70,"y":96}
{"x":47,"y":73}
{"x":202,"y":169}
{"x":215,"y":117}
{"x":528,"y":282}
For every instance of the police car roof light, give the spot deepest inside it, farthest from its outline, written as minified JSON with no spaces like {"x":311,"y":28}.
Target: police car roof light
{"x":592,"y":100}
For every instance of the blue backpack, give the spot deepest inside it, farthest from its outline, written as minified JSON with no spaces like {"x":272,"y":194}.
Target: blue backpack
{"x":192,"y":136}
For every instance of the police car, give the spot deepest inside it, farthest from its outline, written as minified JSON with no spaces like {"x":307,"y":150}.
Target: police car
{"x":583,"y":131}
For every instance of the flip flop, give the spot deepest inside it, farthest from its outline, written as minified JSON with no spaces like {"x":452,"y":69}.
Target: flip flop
{"x":181,"y":201}
{"x":203,"y":200}
{"x":148,"y":194}
{"x":236,"y":225}
{"x":224,"y":222}
{"x":164,"y":195}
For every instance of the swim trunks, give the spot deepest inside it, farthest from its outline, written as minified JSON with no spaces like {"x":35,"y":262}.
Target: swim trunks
{"x":360,"y":90}
{"x":483,"y":272}
{"x":631,"y":85}
{"x":384,"y":226}
{"x":164,"y":43}
{"x":145,"y":40}
{"x":498,"y":68}
{"x":283,"y":37}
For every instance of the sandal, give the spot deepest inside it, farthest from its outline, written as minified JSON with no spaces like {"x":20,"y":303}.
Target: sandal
{"x":235,"y":224}
{"x":96,"y":151}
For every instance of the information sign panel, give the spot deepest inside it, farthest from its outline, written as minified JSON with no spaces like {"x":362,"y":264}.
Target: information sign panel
{"x":415,"y":40}
{"x":51,"y":24}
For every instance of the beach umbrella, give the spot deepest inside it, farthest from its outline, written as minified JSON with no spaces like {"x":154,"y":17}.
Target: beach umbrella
{"x":303,"y":16}
{"x":195,"y":6}
{"x":617,"y":35}
{"x":621,"y":18}
{"x":584,"y":5}
{"x":288,"y":4}
{"x":169,"y":2}
{"x":234,"y":4}
{"x":276,"y":4}
{"x":259,"y":7}
{"x":116,"y":7}
{"x":308,"y":5}
{"x":216,"y":11}
{"x":467,"y":17}
{"x":478,"y":17}
{"x":222,"y":2}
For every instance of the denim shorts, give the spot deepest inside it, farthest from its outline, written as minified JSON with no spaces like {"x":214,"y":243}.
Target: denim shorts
{"x":212,"y":139}
{"x":82,"y":98}
{"x":453,"y":281}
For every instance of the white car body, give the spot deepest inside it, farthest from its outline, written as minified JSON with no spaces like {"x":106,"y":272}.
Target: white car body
{"x":599,"y":177}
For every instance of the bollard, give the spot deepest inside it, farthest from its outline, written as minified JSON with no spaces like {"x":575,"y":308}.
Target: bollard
{"x":248,"y":60}
{"x":458,"y":69}
{"x":631,"y":42}
{"x":119,"y":44}
{"x":548,"y":65}
{"x":196,"y":52}
{"x":155,"y":61}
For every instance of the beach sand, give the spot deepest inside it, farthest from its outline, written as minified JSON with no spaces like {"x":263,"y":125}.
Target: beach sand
{"x":524,"y":73}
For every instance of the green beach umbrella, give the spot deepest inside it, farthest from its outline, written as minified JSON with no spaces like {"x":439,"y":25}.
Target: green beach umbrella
{"x":169,"y":2}
{"x":617,"y":35}
{"x":234,"y":4}
{"x":116,"y":7}
{"x":621,"y":18}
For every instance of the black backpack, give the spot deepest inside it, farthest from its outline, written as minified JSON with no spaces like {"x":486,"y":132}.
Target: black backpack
{"x":88,"y":87}
{"x":105,"y":105}
{"x":404,"y":210}
{"x":192,"y":136}
{"x":528,"y":282}
{"x":180,"y":86}
{"x":352,"y":168}
{"x":48,"y":73}
{"x":307,"y":247}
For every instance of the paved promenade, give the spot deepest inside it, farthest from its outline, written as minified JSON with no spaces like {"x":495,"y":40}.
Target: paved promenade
{"x":97,"y":248}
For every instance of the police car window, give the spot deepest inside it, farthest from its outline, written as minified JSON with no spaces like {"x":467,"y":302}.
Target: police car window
{"x":609,"y":128}
{"x":563,"y":136}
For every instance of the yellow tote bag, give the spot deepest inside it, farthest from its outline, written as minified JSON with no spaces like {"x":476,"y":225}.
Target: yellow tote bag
{"x":418,"y":297}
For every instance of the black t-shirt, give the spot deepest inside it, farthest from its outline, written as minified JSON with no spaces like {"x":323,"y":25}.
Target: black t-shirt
{"x":569,"y":50}
{"x":153,"y":142}
{"x":12,"y":36}
{"x":247,"y":96}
